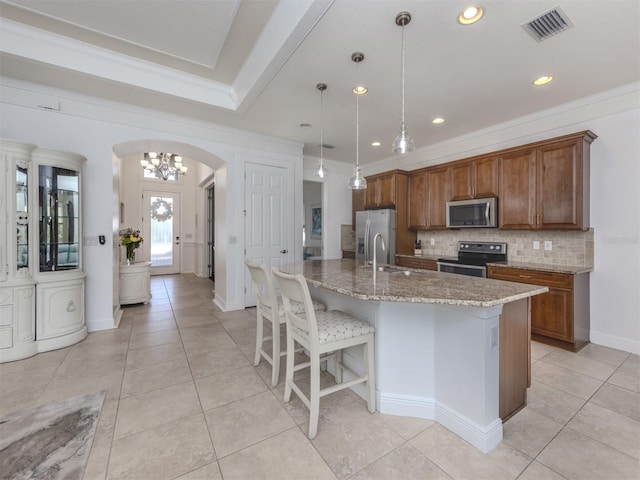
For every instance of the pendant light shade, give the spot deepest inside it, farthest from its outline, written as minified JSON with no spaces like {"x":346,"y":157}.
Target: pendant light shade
{"x":321,"y":171}
{"x":403,"y":142}
{"x":357,"y":181}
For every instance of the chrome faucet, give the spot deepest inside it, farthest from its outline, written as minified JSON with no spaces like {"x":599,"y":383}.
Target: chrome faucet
{"x":375,"y":252}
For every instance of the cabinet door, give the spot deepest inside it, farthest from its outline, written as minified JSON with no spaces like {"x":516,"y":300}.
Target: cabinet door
{"x":462,"y":181}
{"x":486,"y":178}
{"x":387,"y":187}
{"x":517,"y":190}
{"x":438,"y":197}
{"x":559,"y":192}
{"x":357,"y":205}
{"x":552,"y":314}
{"x":372,"y":193}
{"x":418,"y":201}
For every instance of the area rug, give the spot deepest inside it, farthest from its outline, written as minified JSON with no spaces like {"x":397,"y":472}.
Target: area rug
{"x":50,"y":441}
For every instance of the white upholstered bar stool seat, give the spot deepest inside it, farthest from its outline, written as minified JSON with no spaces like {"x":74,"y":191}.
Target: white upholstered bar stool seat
{"x":266,"y":299}
{"x":322,"y":335}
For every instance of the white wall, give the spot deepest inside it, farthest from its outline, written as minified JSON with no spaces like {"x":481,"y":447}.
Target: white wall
{"x":336,"y":203}
{"x":97,"y":129}
{"x":615,"y":195}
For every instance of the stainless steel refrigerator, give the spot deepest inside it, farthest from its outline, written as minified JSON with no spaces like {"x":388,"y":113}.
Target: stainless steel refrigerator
{"x":370,"y":222}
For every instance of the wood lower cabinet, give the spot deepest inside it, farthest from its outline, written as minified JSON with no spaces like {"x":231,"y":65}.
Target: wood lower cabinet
{"x":417,"y":262}
{"x":428,"y":196}
{"x":546,"y":185}
{"x":559,"y":317}
{"x":474,"y":179}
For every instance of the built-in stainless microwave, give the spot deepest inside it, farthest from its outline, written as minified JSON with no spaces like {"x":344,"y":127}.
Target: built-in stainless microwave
{"x":481,"y":212}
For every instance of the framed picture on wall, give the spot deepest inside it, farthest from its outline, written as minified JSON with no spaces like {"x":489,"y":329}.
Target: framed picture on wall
{"x":316,"y":221}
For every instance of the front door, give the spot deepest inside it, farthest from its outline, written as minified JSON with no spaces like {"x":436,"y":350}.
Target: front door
{"x":161,"y":225}
{"x":268,"y":219}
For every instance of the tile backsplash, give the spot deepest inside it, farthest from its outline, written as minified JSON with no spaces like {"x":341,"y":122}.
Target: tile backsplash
{"x":568,"y":247}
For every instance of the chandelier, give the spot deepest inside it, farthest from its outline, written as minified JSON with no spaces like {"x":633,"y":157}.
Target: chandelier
{"x":163,"y":165}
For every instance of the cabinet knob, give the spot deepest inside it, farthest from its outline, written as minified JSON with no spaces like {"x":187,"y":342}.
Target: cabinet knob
{"x":524,"y":276}
{"x":71,"y":307}
{"x":284,"y":251}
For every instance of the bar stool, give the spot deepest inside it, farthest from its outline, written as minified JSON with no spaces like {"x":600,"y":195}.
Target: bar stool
{"x":323,"y":335}
{"x":269,"y":307}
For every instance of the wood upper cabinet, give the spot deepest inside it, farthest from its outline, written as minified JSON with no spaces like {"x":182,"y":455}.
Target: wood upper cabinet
{"x":438,"y":197}
{"x":474,"y":179}
{"x":381,"y":191}
{"x":357,"y":205}
{"x":428,"y":196}
{"x":516,"y":204}
{"x":418,"y":200}
{"x":546,"y":186}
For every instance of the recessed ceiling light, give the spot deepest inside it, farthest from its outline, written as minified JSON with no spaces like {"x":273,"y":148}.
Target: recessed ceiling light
{"x":470,"y":15}
{"x":305,"y":125}
{"x":375,"y":144}
{"x":360,"y":90}
{"x":543,"y":80}
{"x":437,"y":121}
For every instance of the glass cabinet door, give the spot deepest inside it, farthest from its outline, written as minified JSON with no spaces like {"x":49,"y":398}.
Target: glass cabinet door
{"x":22,"y":218}
{"x":59,"y":219}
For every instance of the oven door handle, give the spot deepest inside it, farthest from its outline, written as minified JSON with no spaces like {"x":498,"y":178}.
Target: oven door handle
{"x":461,"y":265}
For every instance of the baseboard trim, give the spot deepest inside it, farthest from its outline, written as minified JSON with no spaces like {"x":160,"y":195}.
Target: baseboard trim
{"x":106,"y":324}
{"x":483,"y":438}
{"x":612,"y":341}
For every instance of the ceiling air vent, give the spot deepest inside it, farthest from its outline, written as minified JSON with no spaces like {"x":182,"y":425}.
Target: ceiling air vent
{"x":548,"y":24}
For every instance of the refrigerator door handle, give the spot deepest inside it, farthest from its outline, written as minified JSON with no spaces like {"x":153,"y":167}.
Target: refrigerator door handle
{"x":366,"y":240}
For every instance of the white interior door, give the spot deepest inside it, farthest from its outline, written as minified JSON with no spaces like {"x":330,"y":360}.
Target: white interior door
{"x":161,"y":225}
{"x":268,"y":219}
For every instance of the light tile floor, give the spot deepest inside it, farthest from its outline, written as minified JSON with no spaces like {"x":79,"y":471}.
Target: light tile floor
{"x":184,"y":401}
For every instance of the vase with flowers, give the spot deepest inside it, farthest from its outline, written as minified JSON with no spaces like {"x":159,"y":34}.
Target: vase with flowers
{"x":131,"y":240}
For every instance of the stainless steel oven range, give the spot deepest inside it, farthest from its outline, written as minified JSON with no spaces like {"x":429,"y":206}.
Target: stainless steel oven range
{"x":473,"y":257}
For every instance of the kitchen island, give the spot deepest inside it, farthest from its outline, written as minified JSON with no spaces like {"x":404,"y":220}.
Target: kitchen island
{"x":438,"y":339}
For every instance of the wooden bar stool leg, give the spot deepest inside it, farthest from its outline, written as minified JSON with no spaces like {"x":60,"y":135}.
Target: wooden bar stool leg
{"x":314,"y":408}
{"x":290,"y":366}
{"x":275,"y":354}
{"x":259,"y":339}
{"x":371,"y":388}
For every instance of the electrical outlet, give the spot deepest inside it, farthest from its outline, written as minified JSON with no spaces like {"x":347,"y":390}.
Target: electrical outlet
{"x":432,"y":242}
{"x":536,"y":245}
{"x":548,"y":245}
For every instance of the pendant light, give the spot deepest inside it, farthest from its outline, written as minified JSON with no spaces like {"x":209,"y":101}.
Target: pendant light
{"x":357,"y":181}
{"x":321,"y":171}
{"x":403,"y":142}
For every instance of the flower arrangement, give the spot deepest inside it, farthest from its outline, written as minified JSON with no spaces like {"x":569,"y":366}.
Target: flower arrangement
{"x":131,"y":240}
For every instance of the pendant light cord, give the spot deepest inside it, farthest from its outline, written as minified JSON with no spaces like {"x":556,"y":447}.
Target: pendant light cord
{"x":321,"y":126}
{"x":403,"y":76}
{"x":357,"y":131}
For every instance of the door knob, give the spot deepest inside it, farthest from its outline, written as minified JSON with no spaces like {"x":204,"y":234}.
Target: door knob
{"x":284,"y":251}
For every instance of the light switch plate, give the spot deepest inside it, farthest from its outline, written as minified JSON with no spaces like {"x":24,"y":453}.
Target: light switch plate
{"x":548,"y":245}
{"x":536,"y":245}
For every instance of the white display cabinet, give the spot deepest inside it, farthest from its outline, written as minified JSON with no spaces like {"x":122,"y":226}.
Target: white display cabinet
{"x":41,"y":278}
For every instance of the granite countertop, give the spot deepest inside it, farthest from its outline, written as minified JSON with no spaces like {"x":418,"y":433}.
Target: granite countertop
{"x":355,"y":279}
{"x":568,"y":269}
